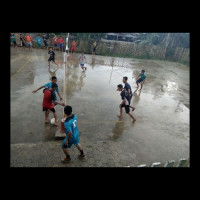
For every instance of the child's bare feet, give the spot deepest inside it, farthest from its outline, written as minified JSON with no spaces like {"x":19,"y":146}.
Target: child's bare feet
{"x":56,"y":123}
{"x":133,"y":109}
{"x":47,"y":121}
{"x":119,"y":116}
{"x":134,"y":120}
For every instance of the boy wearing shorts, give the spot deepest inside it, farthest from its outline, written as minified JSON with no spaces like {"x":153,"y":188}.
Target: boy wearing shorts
{"x":61,"y":43}
{"x":125,"y":102}
{"x":28,"y":39}
{"x":22,"y":40}
{"x":141,"y":80}
{"x":55,"y":43}
{"x":82,"y":60}
{"x":13,"y":40}
{"x":72,"y":134}
{"x":47,"y":104}
{"x":52,"y":56}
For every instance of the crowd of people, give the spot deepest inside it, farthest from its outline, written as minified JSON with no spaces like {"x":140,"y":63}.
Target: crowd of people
{"x":26,"y":40}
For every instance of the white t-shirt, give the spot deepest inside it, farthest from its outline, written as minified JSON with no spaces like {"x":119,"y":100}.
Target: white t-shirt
{"x":82,"y":59}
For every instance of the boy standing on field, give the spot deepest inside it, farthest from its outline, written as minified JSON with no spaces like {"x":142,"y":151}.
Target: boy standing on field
{"x":82,"y":60}
{"x":72,"y":134}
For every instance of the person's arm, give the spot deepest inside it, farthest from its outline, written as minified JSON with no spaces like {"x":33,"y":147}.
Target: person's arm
{"x":62,"y":104}
{"x":137,"y":77}
{"x":68,"y":137}
{"x":59,"y":96}
{"x":34,"y":91}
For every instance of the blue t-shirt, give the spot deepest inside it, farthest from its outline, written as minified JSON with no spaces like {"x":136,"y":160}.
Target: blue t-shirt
{"x":39,"y":40}
{"x":70,"y":125}
{"x":127,"y":86}
{"x":142,"y":76}
{"x":49,"y":85}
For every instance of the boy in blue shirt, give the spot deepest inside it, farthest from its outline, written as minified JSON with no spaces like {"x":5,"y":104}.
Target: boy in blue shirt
{"x":72,"y":135}
{"x":49,"y":85}
{"x":39,"y":40}
{"x":141,"y":80}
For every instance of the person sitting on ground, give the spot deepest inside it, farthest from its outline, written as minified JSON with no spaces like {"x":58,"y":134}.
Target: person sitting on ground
{"x":72,"y":134}
{"x":47,"y":104}
{"x":141,"y":80}
{"x":125,"y":102}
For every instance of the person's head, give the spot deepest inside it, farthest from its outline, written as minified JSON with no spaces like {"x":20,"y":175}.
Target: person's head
{"x":50,"y":49}
{"x":142,"y":71}
{"x":54,"y":86}
{"x":125,"y":78}
{"x":54,"y":79}
{"x":68,"y":110}
{"x":120,"y":87}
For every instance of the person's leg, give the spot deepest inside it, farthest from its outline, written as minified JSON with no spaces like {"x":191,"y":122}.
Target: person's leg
{"x":82,"y":155}
{"x":66,"y":151}
{"x":48,"y":63}
{"x":46,"y":115}
{"x":56,"y":118}
{"x":132,"y":117}
{"x":141,"y":86}
{"x":121,"y":110}
{"x":132,"y":108}
{"x":137,"y":84}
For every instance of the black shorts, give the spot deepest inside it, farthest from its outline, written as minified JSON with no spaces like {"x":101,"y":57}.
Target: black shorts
{"x":139,"y":80}
{"x":51,"y":59}
{"x":52,"y":109}
{"x":127,"y":108}
{"x":94,"y":49}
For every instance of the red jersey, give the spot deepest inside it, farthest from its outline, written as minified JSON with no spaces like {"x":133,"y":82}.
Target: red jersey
{"x":55,"y":40}
{"x":48,"y":100}
{"x":73,"y":44}
{"x":60,"y":40}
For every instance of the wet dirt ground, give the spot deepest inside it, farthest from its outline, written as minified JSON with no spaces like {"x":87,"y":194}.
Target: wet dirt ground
{"x":161,"y":131}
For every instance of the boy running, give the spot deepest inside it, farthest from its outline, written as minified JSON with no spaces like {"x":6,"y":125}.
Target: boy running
{"x":47,"y":104}
{"x":55,"y":42}
{"x":61,"y":43}
{"x":13,"y":40}
{"x":72,"y":134}
{"x":82,"y":60}
{"x":125,"y":102}
{"x":52,"y":56}
{"x":127,"y":87}
{"x":28,"y":39}
{"x":49,"y":85}
{"x":141,"y":80}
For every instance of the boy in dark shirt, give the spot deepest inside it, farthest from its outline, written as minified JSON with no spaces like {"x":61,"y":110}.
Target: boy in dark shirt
{"x":125,"y":102}
{"x":127,"y":87}
{"x":52,"y":57}
{"x":22,"y":40}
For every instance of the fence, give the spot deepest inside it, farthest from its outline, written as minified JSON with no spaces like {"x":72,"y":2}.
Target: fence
{"x":123,"y":49}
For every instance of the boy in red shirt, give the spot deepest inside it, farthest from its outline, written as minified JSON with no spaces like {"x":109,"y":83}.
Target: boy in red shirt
{"x":73,"y":46}
{"x":47,"y":104}
{"x":61,"y":43}
{"x":55,"y":42}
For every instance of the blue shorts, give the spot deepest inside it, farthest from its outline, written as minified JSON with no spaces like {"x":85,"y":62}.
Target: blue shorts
{"x":61,"y":45}
{"x":82,"y":64}
{"x":139,"y":80}
{"x":71,"y":141}
{"x":55,"y":45}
